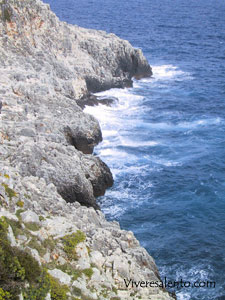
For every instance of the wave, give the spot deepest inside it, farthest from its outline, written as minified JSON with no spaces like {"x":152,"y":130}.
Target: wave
{"x":110,"y":117}
{"x":182,"y":125}
{"x":163,"y":162}
{"x":167,"y":72}
{"x":124,"y":95}
{"x":183,"y":296}
{"x":137,"y":144}
{"x":112,"y":152}
{"x":200,"y":272}
{"x":109,"y":133}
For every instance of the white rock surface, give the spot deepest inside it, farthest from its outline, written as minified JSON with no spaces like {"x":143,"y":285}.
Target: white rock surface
{"x":61,"y":276}
{"x":11,"y":237}
{"x":29,"y":217}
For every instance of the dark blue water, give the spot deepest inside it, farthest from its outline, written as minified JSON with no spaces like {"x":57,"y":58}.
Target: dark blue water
{"x":165,"y":140}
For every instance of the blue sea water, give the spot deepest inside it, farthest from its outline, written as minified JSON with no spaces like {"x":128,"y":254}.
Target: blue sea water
{"x":164,"y":141}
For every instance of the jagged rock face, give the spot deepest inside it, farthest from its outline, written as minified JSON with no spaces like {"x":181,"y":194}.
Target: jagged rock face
{"x":79,"y":58}
{"x":46,"y":67}
{"x":46,"y":143}
{"x":108,"y":253}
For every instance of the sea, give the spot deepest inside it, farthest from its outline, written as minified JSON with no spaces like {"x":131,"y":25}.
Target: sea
{"x":164,"y":139}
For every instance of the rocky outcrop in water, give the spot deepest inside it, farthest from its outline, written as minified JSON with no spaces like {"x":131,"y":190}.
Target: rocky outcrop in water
{"x":56,"y":244}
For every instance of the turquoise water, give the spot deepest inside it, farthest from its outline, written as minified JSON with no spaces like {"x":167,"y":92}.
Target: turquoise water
{"x":164,"y":141}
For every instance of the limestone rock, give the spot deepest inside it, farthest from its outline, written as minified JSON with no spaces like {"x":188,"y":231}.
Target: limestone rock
{"x":29,"y":217}
{"x":48,"y":66}
{"x":61,"y":276}
{"x":76,"y":176}
{"x":46,"y":142}
{"x":11,"y":237}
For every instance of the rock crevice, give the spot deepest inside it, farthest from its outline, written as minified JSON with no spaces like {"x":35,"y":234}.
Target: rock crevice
{"x":48,"y":174}
{"x":48,"y":67}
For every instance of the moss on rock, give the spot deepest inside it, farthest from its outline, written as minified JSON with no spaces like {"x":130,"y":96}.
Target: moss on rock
{"x":9,"y":192}
{"x":71,"y":241}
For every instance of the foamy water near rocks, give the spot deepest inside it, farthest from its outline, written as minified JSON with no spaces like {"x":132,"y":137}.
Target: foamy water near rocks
{"x":49,"y":176}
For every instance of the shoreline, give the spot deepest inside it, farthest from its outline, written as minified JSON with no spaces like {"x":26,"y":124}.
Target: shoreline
{"x":49,"y":177}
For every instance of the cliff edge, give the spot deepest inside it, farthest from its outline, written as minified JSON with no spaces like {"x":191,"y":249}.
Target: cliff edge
{"x":54,"y":242}
{"x":46,"y":65}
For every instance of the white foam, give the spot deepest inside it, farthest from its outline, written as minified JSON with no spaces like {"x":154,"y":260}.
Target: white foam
{"x":120,"y":113}
{"x":108,"y":133}
{"x":167,"y":72}
{"x":114,"y":153}
{"x":183,"y":296}
{"x":114,"y":210}
{"x":182,"y":125}
{"x":132,"y":170}
{"x":166,"y":163}
{"x":126,"y":93}
{"x":137,"y":144}
{"x":111,"y":152}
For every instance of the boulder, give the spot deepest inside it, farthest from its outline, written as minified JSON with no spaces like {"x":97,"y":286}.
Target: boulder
{"x":29,"y":217}
{"x":61,"y":276}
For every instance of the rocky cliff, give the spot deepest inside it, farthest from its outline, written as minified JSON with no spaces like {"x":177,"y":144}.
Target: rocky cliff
{"x":53,"y":243}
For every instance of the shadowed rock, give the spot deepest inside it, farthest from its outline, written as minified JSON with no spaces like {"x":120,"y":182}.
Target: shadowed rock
{"x":78,"y":177}
{"x":51,"y":67}
{"x":79,"y":138}
{"x":100,"y":180}
{"x":92,"y":100}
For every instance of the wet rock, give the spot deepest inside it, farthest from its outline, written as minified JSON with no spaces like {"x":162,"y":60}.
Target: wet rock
{"x":92,"y":100}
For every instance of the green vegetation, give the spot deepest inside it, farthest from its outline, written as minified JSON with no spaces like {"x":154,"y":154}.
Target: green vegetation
{"x":77,"y":291}
{"x":32,"y":226}
{"x":58,"y":291}
{"x":20,"y":203}
{"x":37,"y":245}
{"x":114,"y":289}
{"x":75,"y":273}
{"x":70,"y":270}
{"x":71,"y":241}
{"x":27,"y":196}
{"x":89,"y":250}
{"x":4,"y":295}
{"x":17,"y":267}
{"x":16,"y":226}
{"x":6,"y":15}
{"x":105,"y":293}
{"x":49,"y":243}
{"x":19,"y":212}
{"x":39,"y":290}
{"x":41,"y":218}
{"x":9,"y":192}
{"x":88,"y":272}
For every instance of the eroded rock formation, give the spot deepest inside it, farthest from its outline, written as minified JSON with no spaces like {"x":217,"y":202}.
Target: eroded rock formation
{"x":46,"y":66}
{"x":49,"y":177}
